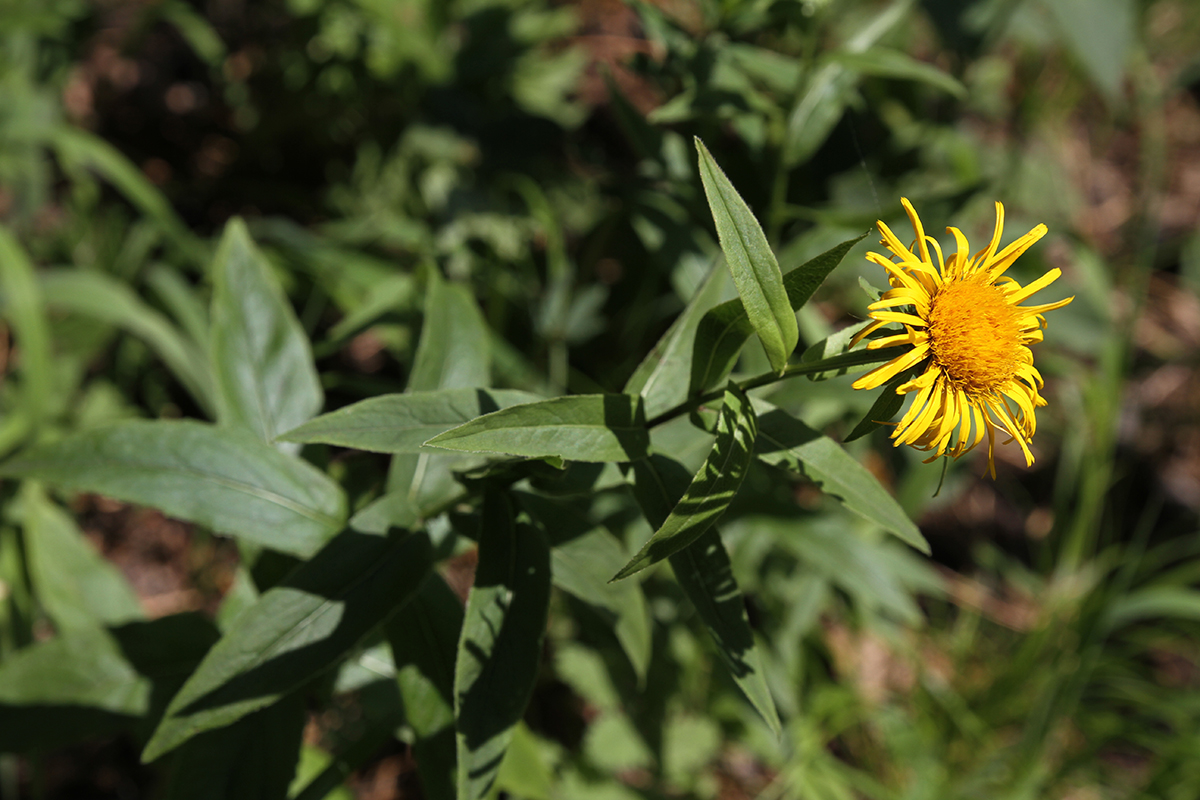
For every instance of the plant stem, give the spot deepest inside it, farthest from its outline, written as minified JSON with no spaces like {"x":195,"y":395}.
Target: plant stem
{"x":840,"y":361}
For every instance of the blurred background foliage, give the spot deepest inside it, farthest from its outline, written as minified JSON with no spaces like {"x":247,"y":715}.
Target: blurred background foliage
{"x":538,"y":153}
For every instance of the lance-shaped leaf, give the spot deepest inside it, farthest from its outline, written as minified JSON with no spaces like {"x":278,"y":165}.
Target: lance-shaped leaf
{"x":296,"y":631}
{"x":25,"y":313}
{"x":662,"y":377}
{"x":787,"y":442}
{"x":75,"y":584}
{"x":712,"y":489}
{"x":454,"y":353}
{"x":454,"y":350}
{"x":77,"y":683}
{"x":584,"y":553}
{"x":424,"y":640}
{"x":751,"y":262}
{"x":586,"y":427}
{"x":215,"y":477}
{"x":265,"y":377}
{"x":705,"y":573}
{"x":725,"y":328}
{"x":253,"y":759}
{"x":401,"y":423}
{"x":102,"y":297}
{"x":882,"y":410}
{"x":501,"y":642}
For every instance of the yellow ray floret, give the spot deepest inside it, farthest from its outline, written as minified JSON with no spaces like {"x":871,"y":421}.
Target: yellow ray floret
{"x":962,"y":320}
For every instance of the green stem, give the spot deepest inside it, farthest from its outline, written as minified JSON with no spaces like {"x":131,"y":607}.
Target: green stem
{"x":841,"y":361}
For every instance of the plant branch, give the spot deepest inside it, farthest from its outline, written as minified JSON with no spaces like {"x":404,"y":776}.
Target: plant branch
{"x":840,"y":361}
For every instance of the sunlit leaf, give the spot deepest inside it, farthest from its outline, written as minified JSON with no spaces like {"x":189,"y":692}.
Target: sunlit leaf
{"x":265,"y":377}
{"x":595,"y":427}
{"x":724,"y":328}
{"x":201,"y":473}
{"x":401,"y":423}
{"x":787,"y":442}
{"x":751,"y":262}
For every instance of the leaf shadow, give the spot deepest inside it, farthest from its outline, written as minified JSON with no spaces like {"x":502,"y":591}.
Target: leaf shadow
{"x":379,"y":566}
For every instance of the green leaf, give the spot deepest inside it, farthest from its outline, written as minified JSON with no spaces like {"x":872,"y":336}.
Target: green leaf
{"x":882,"y":410}
{"x":1101,"y":34}
{"x":837,"y":346}
{"x":711,"y":490}
{"x":401,"y":423}
{"x":424,"y":640}
{"x":817,"y":111}
{"x":197,"y":31}
{"x":705,"y":573}
{"x":821,"y":104}
{"x":263,"y":364}
{"x":583,"y":554}
{"x":77,"y":587}
{"x":787,"y":442}
{"x":454,"y":349}
{"x":454,"y":352}
{"x":1153,"y":602}
{"x":751,"y":262}
{"x":103,"y":298}
{"x":501,"y":643}
{"x":662,"y":377}
{"x":25,"y":312}
{"x":77,"y":148}
{"x":67,"y":688}
{"x":212,"y":476}
{"x":254,"y":759}
{"x":724,"y":329}
{"x":524,"y":771}
{"x":588,"y":427}
{"x":885,"y":62}
{"x":296,"y":631}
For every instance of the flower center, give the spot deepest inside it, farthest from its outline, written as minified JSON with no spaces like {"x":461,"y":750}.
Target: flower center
{"x":974,"y":335}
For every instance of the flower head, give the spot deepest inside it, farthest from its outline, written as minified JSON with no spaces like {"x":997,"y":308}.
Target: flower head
{"x":962,"y":321}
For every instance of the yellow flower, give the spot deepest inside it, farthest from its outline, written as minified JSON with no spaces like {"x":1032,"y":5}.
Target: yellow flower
{"x":962,"y":319}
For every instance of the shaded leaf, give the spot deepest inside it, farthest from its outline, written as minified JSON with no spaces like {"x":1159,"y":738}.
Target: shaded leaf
{"x":1153,"y":602}
{"x":454,"y":348}
{"x":401,"y":423}
{"x":454,"y":352}
{"x":266,"y":381}
{"x":787,"y":442}
{"x":705,"y":574}
{"x":885,"y":62}
{"x":77,"y":148}
{"x":724,"y":329}
{"x":201,"y":473}
{"x":424,"y":640}
{"x":662,"y":377}
{"x":296,"y":631}
{"x":711,"y":490}
{"x":25,"y":312}
{"x":751,"y":262}
{"x":104,"y":298}
{"x":254,"y":759}
{"x":75,"y":584}
{"x":882,"y":410}
{"x":583,"y":554}
{"x":1101,"y":34}
{"x":70,"y":687}
{"x":501,"y":642}
{"x":821,"y":104}
{"x":588,"y":427}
